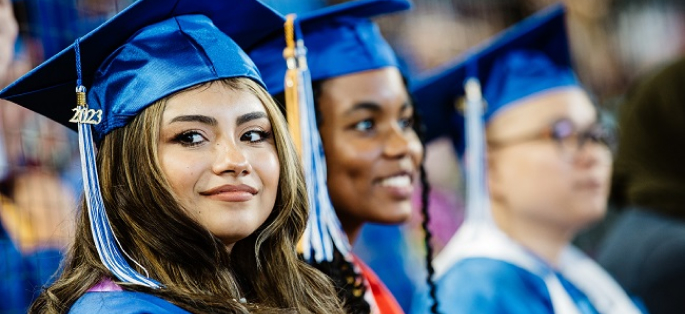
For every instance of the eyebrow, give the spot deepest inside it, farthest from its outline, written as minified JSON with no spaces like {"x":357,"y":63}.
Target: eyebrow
{"x":375,"y":107}
{"x":195,"y":118}
{"x":213,"y":122}
{"x":251,"y":116}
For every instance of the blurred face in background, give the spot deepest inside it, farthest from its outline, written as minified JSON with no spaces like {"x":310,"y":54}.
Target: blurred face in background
{"x":372,"y":151}
{"x":547,"y":162}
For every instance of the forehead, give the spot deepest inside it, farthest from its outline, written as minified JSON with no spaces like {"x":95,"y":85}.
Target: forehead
{"x":214,"y":98}
{"x":379,"y":86}
{"x":572,"y":103}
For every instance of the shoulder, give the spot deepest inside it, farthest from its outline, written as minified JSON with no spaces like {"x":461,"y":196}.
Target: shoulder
{"x":484,"y":273}
{"x":484,"y":285}
{"x":123,"y":302}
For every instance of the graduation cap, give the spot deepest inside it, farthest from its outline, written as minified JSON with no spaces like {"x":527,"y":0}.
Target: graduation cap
{"x":339,"y":40}
{"x":148,"y":51}
{"x":529,"y":58}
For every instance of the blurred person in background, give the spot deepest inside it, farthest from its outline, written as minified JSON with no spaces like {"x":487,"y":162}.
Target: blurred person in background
{"x":8,"y":34}
{"x":537,"y":163}
{"x":34,"y":201}
{"x":645,"y":248}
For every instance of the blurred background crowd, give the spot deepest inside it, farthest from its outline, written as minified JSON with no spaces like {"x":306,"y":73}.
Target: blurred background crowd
{"x":614,"y":42}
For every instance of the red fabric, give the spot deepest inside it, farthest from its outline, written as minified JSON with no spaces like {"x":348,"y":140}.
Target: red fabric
{"x":384,"y":299}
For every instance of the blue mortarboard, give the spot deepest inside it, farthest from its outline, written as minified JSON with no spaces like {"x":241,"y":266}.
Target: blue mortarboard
{"x":340,"y":40}
{"x":527,"y":59}
{"x":150,"y":50}
{"x":530,"y":57}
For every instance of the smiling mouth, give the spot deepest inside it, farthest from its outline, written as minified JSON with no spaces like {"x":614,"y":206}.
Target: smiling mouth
{"x":229,"y":188}
{"x":231,"y":193}
{"x":397,"y":181}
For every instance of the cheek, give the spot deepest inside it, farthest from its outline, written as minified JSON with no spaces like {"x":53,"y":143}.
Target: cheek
{"x":268,"y":168}
{"x":180,"y":170}
{"x":348,"y":156}
{"x":351,"y":164}
{"x":534,"y":180}
{"x":415,"y":149}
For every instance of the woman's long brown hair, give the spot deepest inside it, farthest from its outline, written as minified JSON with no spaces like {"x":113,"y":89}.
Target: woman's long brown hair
{"x":197,"y":272}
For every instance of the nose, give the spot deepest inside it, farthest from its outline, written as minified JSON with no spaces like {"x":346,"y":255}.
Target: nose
{"x":230,"y":158}
{"x":592,"y":154}
{"x":397,"y":143}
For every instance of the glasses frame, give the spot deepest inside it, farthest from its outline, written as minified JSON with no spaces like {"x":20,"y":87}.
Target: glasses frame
{"x":564,"y":132}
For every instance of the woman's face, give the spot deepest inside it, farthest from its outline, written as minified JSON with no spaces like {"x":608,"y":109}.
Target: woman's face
{"x":372,"y":152}
{"x":217,"y":151}
{"x":555,"y":183}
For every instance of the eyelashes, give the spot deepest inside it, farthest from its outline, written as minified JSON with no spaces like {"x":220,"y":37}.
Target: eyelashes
{"x":190,"y":138}
{"x":369,"y":124}
{"x":256,"y":136}
{"x":193,"y":138}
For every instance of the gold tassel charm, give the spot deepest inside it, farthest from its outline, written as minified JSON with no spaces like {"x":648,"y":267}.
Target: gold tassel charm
{"x":81,"y":113}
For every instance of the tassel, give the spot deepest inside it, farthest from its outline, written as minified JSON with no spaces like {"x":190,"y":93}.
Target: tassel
{"x":292,"y":86}
{"x":324,"y":232}
{"x":105,"y":241}
{"x":478,"y":200}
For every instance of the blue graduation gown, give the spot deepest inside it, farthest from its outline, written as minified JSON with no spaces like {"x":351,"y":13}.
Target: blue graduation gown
{"x":484,"y":285}
{"x":483,"y":271}
{"x":22,"y":276}
{"x":123,"y":302}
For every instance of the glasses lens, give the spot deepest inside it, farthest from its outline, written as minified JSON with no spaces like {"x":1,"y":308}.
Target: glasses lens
{"x":571,"y":141}
{"x":563,"y":133}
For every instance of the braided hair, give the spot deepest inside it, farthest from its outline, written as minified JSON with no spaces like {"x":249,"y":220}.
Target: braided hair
{"x":419,"y":128}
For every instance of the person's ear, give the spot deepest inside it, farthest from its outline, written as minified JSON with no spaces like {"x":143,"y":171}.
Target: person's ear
{"x":493,"y":176}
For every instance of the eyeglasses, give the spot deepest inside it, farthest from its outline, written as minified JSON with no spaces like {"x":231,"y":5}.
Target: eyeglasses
{"x":565,"y":134}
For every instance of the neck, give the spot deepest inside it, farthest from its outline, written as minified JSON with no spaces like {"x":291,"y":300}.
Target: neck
{"x":229,"y":247}
{"x":351,"y":228}
{"x":541,"y":237}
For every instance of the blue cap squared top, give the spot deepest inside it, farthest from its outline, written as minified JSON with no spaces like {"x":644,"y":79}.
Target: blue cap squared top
{"x":529,"y":58}
{"x":148,"y":51}
{"x":340,"y":40}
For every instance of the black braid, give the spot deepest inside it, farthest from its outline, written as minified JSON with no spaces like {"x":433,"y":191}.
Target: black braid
{"x":425,"y":191}
{"x":419,"y":128}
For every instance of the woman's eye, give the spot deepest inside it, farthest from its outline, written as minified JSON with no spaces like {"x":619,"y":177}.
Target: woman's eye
{"x":189,"y":138}
{"x":406,"y":123}
{"x":255,"y":136}
{"x":364,"y":125}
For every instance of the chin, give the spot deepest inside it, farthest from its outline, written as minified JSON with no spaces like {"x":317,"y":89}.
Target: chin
{"x":397,"y":214}
{"x":590,"y":214}
{"x":232,"y":238}
{"x":239,"y":230}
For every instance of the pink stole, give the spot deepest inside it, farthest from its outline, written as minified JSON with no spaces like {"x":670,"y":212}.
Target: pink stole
{"x":105,"y":285}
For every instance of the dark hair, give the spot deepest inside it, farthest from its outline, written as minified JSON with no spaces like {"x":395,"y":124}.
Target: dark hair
{"x":341,"y":271}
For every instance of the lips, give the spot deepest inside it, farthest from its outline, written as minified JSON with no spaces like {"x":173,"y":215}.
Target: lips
{"x":589,"y":185}
{"x":397,"y":186}
{"x":396,"y":181}
{"x":231,"y":193}
{"x":231,"y":188}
